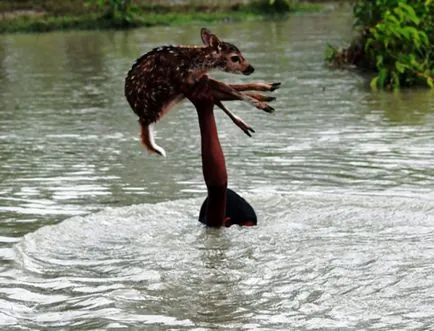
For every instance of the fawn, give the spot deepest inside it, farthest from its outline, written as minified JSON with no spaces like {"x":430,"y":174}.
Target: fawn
{"x":159,"y":79}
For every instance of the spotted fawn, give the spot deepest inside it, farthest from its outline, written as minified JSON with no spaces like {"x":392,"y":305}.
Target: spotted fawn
{"x":161,"y":78}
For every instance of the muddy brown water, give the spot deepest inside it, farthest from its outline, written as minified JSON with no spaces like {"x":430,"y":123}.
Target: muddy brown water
{"x":96,"y":235}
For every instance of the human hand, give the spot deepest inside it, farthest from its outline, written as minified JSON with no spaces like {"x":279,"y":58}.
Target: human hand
{"x":201,"y":95}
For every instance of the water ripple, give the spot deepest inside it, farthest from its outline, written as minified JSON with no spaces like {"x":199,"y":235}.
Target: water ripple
{"x":341,"y":179}
{"x":349,"y":267}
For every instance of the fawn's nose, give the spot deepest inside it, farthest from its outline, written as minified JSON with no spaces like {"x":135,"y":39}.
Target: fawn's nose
{"x":248,"y":70}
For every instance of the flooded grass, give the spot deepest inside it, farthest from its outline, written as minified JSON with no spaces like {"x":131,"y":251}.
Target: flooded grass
{"x":43,"y":16}
{"x":97,"y":235}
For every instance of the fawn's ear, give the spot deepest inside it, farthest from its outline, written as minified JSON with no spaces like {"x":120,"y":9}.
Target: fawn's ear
{"x":208,"y":38}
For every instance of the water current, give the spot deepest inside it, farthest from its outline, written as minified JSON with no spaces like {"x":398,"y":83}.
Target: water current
{"x":97,"y":235}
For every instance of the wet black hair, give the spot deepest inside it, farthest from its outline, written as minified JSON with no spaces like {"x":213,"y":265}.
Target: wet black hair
{"x":238,"y":209}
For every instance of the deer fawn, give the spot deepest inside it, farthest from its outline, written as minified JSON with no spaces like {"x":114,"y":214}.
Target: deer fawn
{"x":160,"y":79}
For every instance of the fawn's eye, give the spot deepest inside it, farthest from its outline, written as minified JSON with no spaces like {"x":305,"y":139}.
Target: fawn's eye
{"x":235,"y":58}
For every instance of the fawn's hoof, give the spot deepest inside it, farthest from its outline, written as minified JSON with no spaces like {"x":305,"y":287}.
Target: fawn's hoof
{"x":269,"y":109}
{"x":268,"y":98}
{"x":275,"y":86}
{"x":248,"y":130}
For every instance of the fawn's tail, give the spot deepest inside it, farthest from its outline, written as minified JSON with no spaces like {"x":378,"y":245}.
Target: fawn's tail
{"x":147,"y":139}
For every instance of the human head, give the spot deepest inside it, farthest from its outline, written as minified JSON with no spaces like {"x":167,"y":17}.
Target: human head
{"x":238,"y":211}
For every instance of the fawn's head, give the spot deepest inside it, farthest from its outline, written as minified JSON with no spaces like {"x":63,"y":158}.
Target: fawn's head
{"x":225,"y":56}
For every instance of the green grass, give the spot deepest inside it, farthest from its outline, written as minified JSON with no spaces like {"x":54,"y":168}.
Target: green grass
{"x":95,"y":21}
{"x":74,"y":17}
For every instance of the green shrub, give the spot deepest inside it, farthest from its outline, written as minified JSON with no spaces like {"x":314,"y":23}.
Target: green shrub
{"x":396,"y":41}
{"x":273,"y":7}
{"x":121,"y":12}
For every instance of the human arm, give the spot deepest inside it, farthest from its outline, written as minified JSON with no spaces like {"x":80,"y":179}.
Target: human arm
{"x":213,"y":161}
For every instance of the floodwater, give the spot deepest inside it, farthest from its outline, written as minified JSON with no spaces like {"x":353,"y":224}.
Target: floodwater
{"x":97,"y":235}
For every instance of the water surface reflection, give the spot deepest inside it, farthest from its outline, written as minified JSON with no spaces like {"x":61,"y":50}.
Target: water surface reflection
{"x":341,"y":179}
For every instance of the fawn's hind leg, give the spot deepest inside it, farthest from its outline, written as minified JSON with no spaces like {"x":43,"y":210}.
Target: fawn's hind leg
{"x":147,"y":139}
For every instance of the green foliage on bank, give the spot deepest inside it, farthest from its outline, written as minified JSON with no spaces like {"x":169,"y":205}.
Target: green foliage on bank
{"x":121,"y":12}
{"x":395,"y":40}
{"x":281,"y":8}
{"x":273,"y":7}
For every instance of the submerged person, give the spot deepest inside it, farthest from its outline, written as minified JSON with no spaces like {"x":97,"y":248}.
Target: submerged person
{"x":222,"y":207}
{"x":238,"y":211}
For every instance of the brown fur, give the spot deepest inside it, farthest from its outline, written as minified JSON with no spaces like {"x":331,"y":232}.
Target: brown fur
{"x":159,"y":79}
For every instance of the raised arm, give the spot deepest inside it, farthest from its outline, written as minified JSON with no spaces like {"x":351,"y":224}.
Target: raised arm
{"x":213,"y":161}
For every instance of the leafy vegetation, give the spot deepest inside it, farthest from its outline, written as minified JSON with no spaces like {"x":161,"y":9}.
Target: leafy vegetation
{"x":395,"y":40}
{"x":118,"y":11}
{"x":273,"y":7}
{"x":281,"y":8}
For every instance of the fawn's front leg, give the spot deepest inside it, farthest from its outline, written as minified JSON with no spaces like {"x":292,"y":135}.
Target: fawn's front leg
{"x":237,"y":120}
{"x":269,"y":87}
{"x":222,"y":91}
{"x":216,"y":96}
{"x":259,"y":96}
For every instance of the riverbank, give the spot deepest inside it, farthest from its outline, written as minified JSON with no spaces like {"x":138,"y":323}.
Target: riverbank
{"x":49,"y":15}
{"x":394,"y":40}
